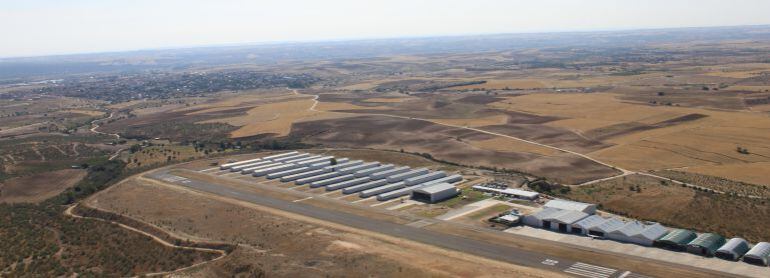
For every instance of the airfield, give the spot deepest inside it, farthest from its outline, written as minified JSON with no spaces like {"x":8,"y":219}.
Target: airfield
{"x":198,"y":201}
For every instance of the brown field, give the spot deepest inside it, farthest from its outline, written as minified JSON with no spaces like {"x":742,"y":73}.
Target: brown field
{"x":274,"y":245}
{"x":445,"y":143}
{"x":498,"y":84}
{"x":677,"y":206}
{"x":39,"y":187}
{"x":157,"y":155}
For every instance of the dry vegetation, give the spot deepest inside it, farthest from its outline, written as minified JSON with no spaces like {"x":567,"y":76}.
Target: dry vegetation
{"x":647,"y":198}
{"x":39,"y":187}
{"x":273,"y":245}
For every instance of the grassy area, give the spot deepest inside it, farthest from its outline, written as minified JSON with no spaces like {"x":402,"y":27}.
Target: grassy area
{"x":652,"y":199}
{"x":467,"y":196}
{"x":489,"y":212}
{"x":38,"y":240}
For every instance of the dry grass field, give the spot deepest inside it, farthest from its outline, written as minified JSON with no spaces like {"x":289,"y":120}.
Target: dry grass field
{"x":274,"y":245}
{"x":39,"y":187}
{"x":652,"y":199}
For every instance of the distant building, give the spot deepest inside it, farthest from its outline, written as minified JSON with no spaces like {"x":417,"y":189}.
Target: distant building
{"x":509,"y":192}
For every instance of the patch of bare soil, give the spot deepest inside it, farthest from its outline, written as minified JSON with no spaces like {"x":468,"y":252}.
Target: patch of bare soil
{"x":36,"y":188}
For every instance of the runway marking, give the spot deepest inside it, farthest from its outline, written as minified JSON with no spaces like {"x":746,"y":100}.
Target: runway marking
{"x":549,"y":262}
{"x":303,"y":199}
{"x":421,"y":223}
{"x":591,"y":271}
{"x":209,"y":169}
{"x":365,"y":199}
{"x":629,"y":274}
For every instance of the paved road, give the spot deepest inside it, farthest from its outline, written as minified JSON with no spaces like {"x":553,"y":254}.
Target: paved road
{"x":412,"y":231}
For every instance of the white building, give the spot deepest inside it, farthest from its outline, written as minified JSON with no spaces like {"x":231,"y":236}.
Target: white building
{"x":570,"y":205}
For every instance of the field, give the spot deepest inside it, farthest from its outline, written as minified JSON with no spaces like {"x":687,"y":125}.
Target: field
{"x":39,"y":187}
{"x":273,"y":245}
{"x":652,"y":199}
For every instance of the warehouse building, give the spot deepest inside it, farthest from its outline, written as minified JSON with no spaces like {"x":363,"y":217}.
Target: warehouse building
{"x":759,"y":254}
{"x":367,"y":172}
{"x":581,"y":227}
{"x":435,"y":193}
{"x":406,"y":175}
{"x":509,"y":192}
{"x":608,"y":226}
{"x":650,"y":234}
{"x":705,"y":244}
{"x":387,"y":173}
{"x":424,"y":178}
{"x":570,"y":205}
{"x":555,"y":219}
{"x":638,"y":233}
{"x":382,"y":189}
{"x":733,"y":249}
{"x":364,"y":186}
{"x":676,"y":240}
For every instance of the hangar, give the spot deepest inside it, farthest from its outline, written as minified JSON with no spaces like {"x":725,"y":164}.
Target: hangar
{"x":570,"y":205}
{"x":676,"y":240}
{"x":638,"y":233}
{"x":435,"y":193}
{"x":601,"y":230}
{"x":759,"y":254}
{"x":733,"y":249}
{"x":706,"y":244}
{"x":581,"y":227}
{"x":554,"y":219}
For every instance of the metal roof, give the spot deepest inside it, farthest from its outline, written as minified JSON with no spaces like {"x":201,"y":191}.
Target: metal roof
{"x":708,"y":240}
{"x":612,"y":224}
{"x":566,"y":216}
{"x":543,"y":213}
{"x":735,"y":245}
{"x":630,"y":229}
{"x":590,"y":222}
{"x":679,"y":236}
{"x":568,"y":205}
{"x":761,"y":250}
{"x":436,"y":188}
{"x":653,"y":232}
{"x":508,"y":191}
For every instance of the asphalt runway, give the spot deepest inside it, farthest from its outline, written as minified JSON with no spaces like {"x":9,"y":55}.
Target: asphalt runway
{"x":415,"y":233}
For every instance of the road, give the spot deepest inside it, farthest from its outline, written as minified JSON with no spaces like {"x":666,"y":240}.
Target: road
{"x":500,"y":252}
{"x":94,"y":126}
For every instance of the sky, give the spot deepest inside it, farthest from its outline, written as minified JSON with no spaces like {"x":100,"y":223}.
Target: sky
{"x":49,"y":27}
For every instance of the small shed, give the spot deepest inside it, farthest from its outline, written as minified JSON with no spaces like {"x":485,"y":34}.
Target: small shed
{"x":759,"y":254}
{"x":435,"y":193}
{"x":571,"y":205}
{"x":706,"y":244}
{"x":601,"y":230}
{"x":676,"y":240}
{"x":733,"y":249}
{"x":581,"y":227}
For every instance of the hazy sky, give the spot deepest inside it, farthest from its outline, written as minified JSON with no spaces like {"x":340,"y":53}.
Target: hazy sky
{"x":41,"y":27}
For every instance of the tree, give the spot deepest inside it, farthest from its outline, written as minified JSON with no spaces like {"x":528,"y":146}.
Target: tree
{"x":333,"y":161}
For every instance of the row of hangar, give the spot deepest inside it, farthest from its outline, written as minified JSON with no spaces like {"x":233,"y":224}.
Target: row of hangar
{"x":580,"y":218}
{"x":367,"y":179}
